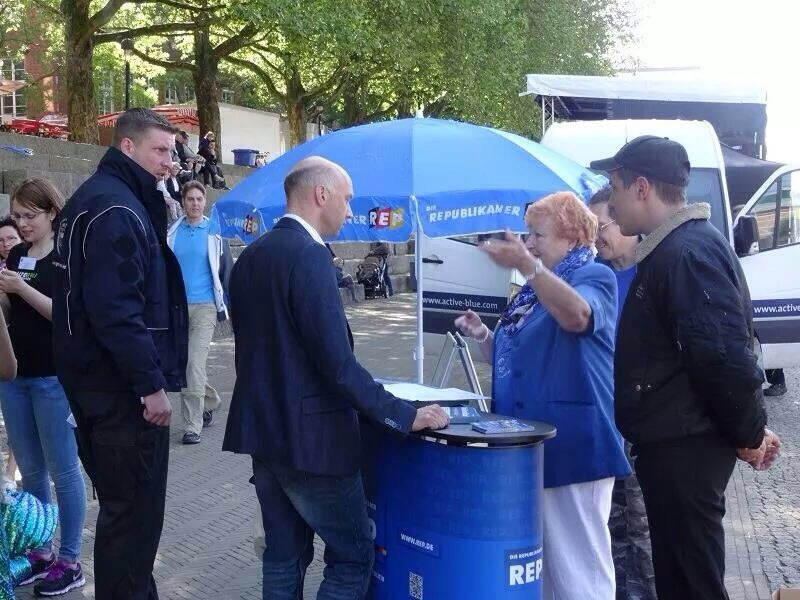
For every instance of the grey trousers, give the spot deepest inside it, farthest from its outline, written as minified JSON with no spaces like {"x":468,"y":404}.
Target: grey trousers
{"x":202,"y":322}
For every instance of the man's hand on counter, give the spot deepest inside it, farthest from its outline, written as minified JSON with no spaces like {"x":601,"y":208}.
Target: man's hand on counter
{"x":430,"y":417}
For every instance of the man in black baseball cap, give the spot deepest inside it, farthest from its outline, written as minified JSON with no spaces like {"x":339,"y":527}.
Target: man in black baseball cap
{"x":687,"y":385}
{"x":659,"y":161}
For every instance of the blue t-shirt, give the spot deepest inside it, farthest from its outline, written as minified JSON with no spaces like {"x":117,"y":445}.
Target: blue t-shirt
{"x":624,"y":279}
{"x":546,"y":373}
{"x":191,"y":249}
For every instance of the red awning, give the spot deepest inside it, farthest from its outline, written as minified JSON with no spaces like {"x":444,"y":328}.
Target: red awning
{"x":180,"y":116}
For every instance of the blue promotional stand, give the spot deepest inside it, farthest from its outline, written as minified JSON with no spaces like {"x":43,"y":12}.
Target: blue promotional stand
{"x":455,"y":513}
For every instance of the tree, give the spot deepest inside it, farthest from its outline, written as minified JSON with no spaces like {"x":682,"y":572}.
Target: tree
{"x":355,"y":61}
{"x":308,"y":54}
{"x":86,"y":26}
{"x":217,"y":35}
{"x":401,"y":69}
{"x":11,"y":23}
{"x":466,"y":59}
{"x":18,"y":32}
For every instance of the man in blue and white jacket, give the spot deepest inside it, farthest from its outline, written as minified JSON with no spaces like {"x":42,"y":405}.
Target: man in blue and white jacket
{"x":205,"y":260}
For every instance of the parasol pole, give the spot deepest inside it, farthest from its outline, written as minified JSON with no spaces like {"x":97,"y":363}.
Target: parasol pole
{"x":419,"y":352}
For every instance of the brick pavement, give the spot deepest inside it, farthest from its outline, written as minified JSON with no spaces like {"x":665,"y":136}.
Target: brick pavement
{"x":206,"y":551}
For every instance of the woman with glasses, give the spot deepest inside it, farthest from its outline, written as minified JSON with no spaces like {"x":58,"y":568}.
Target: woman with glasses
{"x":9,"y":237}
{"x":615,"y":250}
{"x":552,"y":354}
{"x":36,"y":410}
{"x":630,"y":533}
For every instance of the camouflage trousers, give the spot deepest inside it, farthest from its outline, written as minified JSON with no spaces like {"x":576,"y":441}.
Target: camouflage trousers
{"x":630,"y":540}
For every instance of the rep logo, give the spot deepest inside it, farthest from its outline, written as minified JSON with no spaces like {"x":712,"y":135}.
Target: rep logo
{"x":250,"y":225}
{"x":381,"y":218}
{"x":523,"y":566}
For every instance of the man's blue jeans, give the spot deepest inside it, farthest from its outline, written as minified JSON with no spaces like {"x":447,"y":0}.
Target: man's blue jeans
{"x":36,"y":412}
{"x":295,"y":505}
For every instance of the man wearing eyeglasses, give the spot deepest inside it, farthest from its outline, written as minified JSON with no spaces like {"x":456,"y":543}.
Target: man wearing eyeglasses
{"x":630,"y":533}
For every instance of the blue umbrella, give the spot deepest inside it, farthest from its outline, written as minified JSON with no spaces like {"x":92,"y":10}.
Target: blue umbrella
{"x":443,"y":178}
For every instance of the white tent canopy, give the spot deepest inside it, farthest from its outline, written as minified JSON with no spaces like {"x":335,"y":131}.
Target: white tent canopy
{"x":683,"y":89}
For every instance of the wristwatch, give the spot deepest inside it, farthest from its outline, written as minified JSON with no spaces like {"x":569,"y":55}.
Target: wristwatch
{"x":537,"y":268}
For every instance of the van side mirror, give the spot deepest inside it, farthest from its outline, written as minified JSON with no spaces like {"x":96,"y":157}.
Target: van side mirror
{"x":745,"y":236}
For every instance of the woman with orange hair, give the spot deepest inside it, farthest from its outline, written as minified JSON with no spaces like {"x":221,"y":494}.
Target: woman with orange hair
{"x":552,"y":355}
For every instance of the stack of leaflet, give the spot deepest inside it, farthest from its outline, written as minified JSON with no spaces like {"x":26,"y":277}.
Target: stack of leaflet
{"x":415,"y":392}
{"x":502,"y":426}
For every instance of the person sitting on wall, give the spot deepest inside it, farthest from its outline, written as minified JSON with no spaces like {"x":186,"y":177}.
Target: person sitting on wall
{"x":343,"y":280}
{"x":173,"y":206}
{"x":187,"y":158}
{"x":211,"y":170}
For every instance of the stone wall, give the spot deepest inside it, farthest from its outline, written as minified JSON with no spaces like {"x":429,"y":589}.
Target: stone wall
{"x":69,"y":164}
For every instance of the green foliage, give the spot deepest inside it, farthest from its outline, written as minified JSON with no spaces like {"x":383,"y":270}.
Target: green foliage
{"x":359,"y":60}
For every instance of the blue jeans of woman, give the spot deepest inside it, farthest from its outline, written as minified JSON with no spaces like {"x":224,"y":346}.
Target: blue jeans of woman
{"x":36,"y":412}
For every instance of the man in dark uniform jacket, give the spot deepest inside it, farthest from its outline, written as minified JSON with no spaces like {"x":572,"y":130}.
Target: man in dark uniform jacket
{"x":299,"y":391}
{"x":120,"y":333}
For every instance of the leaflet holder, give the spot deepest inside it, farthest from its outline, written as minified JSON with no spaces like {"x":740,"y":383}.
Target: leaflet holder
{"x":455,"y":344}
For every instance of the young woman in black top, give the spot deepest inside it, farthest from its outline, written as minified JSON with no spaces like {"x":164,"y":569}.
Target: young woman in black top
{"x":36,"y":410}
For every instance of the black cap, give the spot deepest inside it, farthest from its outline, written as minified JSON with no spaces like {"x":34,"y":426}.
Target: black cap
{"x":652,"y":156}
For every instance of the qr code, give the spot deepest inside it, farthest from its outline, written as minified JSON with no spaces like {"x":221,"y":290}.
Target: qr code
{"x":415,"y":586}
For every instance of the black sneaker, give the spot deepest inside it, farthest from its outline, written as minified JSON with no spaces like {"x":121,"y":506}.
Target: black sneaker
{"x":191,"y":438}
{"x":39,"y":568}
{"x":60,"y":579}
{"x":776,"y":389}
{"x":208,"y":417}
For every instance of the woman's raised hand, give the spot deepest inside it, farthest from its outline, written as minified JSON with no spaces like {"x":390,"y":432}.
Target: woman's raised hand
{"x":470,"y":324}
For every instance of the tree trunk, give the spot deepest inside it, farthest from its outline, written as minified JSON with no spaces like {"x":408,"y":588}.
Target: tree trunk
{"x":405,"y":107}
{"x":205,"y":75}
{"x":354,"y":111}
{"x":296,"y":112}
{"x":81,"y":107}
{"x":296,"y":115}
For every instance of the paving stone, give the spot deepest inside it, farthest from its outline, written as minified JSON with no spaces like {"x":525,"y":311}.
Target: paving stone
{"x":206,"y":549}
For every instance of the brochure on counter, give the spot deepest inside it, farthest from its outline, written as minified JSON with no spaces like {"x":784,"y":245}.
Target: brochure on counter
{"x":502,"y":426}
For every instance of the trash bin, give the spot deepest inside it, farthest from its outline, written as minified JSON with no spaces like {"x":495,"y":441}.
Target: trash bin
{"x":244,"y":157}
{"x":455,"y":513}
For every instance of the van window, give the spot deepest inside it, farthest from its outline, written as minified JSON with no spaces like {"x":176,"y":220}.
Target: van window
{"x":789,"y":215}
{"x":705,"y":185}
{"x":764,"y":212}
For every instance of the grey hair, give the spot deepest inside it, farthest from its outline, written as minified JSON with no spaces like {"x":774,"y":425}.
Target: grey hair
{"x":309,"y":173}
{"x":600,"y":196}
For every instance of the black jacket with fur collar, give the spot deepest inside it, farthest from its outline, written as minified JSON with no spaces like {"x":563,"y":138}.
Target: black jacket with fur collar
{"x":684,"y":362}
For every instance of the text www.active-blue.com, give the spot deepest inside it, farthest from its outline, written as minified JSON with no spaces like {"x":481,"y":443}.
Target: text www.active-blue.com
{"x":461,"y":304}
{"x":783,"y":308}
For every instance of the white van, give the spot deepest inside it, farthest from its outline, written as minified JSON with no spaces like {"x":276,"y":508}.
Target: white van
{"x":767,"y":232}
